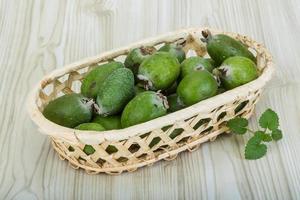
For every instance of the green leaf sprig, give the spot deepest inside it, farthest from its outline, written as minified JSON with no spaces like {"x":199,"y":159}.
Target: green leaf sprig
{"x":256,"y":147}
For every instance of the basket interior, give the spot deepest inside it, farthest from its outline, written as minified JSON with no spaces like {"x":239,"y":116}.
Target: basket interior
{"x":71,"y":82}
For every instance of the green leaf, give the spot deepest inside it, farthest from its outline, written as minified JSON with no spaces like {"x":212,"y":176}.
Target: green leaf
{"x":255,"y":149}
{"x":263,"y":136}
{"x":269,"y":119}
{"x":276,"y":134}
{"x":238,"y":125}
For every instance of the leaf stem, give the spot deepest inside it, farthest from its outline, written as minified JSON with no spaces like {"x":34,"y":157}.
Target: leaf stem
{"x":250,"y":131}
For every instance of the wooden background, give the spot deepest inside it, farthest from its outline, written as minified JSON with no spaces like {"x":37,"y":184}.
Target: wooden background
{"x":39,"y":36}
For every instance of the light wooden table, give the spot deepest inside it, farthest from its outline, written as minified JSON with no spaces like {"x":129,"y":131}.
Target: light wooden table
{"x":39,"y":36}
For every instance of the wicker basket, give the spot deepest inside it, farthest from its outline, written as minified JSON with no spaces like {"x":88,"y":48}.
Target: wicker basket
{"x":171,"y":134}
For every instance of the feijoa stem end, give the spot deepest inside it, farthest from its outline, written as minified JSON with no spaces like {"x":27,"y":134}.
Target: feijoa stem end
{"x":88,"y":102}
{"x":163,"y":98}
{"x":206,"y":35}
{"x":147,"y":50}
{"x":147,"y":84}
{"x":98,"y":109}
{"x":216,"y":73}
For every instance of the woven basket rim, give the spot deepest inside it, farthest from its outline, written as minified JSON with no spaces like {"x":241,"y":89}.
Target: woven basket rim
{"x":95,"y":137}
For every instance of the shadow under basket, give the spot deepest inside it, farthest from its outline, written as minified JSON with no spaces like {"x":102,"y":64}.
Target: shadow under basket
{"x":116,"y":151}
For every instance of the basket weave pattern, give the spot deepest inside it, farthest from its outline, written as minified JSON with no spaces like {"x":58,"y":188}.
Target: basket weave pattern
{"x":162,"y":138}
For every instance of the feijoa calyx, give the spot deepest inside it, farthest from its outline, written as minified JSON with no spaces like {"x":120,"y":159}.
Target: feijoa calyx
{"x":93,"y":81}
{"x":137,"y":56}
{"x":144,"y":107}
{"x":236,"y":71}
{"x":197,"y":86}
{"x":174,"y":49}
{"x":220,"y":47}
{"x":115,"y":92}
{"x":159,"y":71}
{"x":69,"y":110}
{"x":195,"y":63}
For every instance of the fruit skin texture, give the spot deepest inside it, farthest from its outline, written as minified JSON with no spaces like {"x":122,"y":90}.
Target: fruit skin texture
{"x":137,"y":56}
{"x":144,"y":107}
{"x":92,"y":82}
{"x":159,"y":71}
{"x":174,"y":103}
{"x":89,"y":149}
{"x":69,"y":110}
{"x":220,"y":47}
{"x":236,"y":71}
{"x":175,"y":50}
{"x":109,"y":122}
{"x":116,"y":91}
{"x":193,"y":64}
{"x":197,"y":86}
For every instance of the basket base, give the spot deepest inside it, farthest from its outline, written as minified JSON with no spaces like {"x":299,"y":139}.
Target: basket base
{"x":168,"y":156}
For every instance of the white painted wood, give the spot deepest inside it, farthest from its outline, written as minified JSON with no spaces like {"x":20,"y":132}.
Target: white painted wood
{"x":39,"y":36}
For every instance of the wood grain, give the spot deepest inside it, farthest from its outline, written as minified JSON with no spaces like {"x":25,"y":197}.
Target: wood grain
{"x":39,"y":36}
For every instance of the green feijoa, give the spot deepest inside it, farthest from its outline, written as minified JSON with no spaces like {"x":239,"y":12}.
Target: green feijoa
{"x":159,"y":71}
{"x":175,"y":50}
{"x":89,"y":149}
{"x":94,"y":79}
{"x":90,"y":126}
{"x":195,"y":63}
{"x":109,"y":122}
{"x":197,"y":86}
{"x":220,"y":47}
{"x":138,"y":89}
{"x":116,"y":91}
{"x":174,"y":103}
{"x":144,"y":107}
{"x":236,"y":71}
{"x":137,"y":56}
{"x":69,"y":110}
